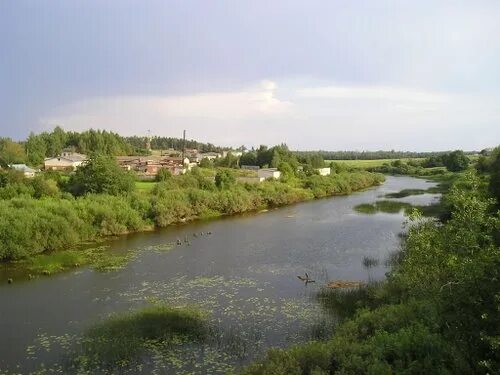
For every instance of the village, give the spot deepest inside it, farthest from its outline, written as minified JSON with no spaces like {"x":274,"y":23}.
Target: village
{"x":147,"y":167}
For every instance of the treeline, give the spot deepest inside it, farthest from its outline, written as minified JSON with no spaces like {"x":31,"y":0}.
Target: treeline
{"x":37,"y":147}
{"x":438,"y":312}
{"x":54,"y":211}
{"x":455,"y":161}
{"x":164,"y":143}
{"x":274,"y":156}
{"x":367,"y":155}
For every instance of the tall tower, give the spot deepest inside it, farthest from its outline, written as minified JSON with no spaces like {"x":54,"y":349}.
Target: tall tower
{"x":148,"y":141}
{"x":183,"y":146}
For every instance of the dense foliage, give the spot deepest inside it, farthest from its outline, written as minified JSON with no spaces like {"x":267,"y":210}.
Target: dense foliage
{"x":101,"y":174}
{"x":38,"y":215}
{"x":366,"y":155}
{"x":439,"y":310}
{"x":269,"y":157}
{"x":164,"y":143}
{"x":49,"y":144}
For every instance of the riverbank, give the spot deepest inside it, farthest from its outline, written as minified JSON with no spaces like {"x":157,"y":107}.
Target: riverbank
{"x":46,"y":227}
{"x":437,"y":312}
{"x":244,"y":275}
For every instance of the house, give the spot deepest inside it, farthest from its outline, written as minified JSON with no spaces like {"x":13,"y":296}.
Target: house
{"x":209,"y":155}
{"x":67,"y":160}
{"x":324,"y":171}
{"x":128,"y":163}
{"x":269,"y":173}
{"x":27,"y":171}
{"x":151,"y":165}
{"x":232,"y":152}
{"x":193,"y":155}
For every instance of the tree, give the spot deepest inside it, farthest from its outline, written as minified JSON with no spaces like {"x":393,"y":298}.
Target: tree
{"x":163,"y":175}
{"x":35,"y":149}
{"x":286,"y":170}
{"x":224,"y":179}
{"x":206,"y":163}
{"x":44,"y":187}
{"x":494,"y":167}
{"x":11,"y":152}
{"x":101,"y":175}
{"x":456,"y":161}
{"x":249,"y":158}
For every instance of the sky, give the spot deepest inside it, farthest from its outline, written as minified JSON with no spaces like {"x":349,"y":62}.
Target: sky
{"x":332,"y":75}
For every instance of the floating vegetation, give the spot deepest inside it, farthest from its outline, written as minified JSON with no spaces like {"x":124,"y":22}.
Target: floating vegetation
{"x":369,"y":262}
{"x":48,"y":264}
{"x":394,"y":207}
{"x":100,"y":258}
{"x":406,"y":193}
{"x":234,"y":321}
{"x":345,"y":284}
{"x":120,"y":340}
{"x":164,"y":247}
{"x":366,"y":208}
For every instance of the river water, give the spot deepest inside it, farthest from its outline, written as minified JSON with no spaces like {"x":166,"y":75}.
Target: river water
{"x":244,"y":273}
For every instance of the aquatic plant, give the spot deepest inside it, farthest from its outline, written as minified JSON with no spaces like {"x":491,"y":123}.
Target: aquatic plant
{"x":56,"y":262}
{"x":369,"y":262}
{"x":405,"y":193}
{"x":120,"y":339}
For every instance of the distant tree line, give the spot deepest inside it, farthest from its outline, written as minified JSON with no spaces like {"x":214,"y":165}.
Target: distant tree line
{"x":367,"y":155}
{"x":37,"y":147}
{"x":163,"y":143}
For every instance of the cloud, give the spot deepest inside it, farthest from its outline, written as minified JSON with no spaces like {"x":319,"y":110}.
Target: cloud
{"x":373,"y":92}
{"x":304,"y":115}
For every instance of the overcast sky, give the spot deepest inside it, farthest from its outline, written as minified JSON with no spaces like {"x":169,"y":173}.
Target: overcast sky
{"x":413,"y":75}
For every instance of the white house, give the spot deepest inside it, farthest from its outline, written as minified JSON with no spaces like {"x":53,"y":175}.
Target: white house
{"x":209,"y":155}
{"x":324,"y":171}
{"x":232,"y":152}
{"x":67,"y":160}
{"x":269,"y":173}
{"x":27,"y":171}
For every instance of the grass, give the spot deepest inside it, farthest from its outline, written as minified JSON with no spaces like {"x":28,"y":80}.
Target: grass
{"x":362,"y":164}
{"x":99,"y":258}
{"x":391,"y":207}
{"x":406,"y":193}
{"x":382,"y":206}
{"x":369,"y":262}
{"x":145,"y":186}
{"x":343,"y":303}
{"x":123,"y":338}
{"x":48,"y":264}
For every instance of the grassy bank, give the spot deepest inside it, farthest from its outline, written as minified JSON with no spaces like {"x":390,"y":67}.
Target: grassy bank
{"x":437,"y":312}
{"x":31,"y":226}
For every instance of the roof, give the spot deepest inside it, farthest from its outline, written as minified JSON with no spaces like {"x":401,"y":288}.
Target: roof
{"x":74,"y":156}
{"x":59,"y":158}
{"x":22,"y":168}
{"x":269,"y":169}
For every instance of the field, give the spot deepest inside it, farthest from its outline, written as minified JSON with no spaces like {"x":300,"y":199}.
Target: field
{"x":145,"y":186}
{"x":365,"y":163}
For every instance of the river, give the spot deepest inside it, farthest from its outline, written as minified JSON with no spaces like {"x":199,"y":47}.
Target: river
{"x":244,"y":273}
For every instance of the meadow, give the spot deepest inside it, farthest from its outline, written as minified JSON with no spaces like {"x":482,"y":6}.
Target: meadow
{"x":362,"y":164}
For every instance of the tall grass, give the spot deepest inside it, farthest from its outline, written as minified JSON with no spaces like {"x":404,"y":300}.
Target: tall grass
{"x":123,"y":338}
